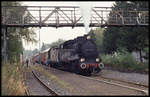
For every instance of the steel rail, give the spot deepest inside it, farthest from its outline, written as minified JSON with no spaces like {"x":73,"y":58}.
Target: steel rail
{"x":111,"y":83}
{"x":145,"y":92}
{"x":49,"y":89}
{"x":139,"y":84}
{"x":27,"y":92}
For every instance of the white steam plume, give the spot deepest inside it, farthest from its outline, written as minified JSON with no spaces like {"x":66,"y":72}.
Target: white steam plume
{"x":86,"y":12}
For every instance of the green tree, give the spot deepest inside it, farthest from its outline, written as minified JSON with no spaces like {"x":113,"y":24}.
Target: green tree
{"x":110,"y":39}
{"x":15,"y":35}
{"x":97,"y":36}
{"x":132,"y":38}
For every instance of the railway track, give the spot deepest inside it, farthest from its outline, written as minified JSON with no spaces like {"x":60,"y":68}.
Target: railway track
{"x":138,"y":84}
{"x":112,"y":81}
{"x":51,"y":91}
{"x":143,"y":91}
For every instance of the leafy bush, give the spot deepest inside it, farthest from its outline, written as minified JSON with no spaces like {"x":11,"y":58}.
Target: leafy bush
{"x":123,"y":60}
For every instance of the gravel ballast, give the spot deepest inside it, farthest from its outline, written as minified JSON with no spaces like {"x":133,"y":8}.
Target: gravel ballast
{"x":131,"y":77}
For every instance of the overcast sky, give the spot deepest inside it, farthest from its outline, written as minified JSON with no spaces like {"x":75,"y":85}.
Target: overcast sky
{"x":50,"y":34}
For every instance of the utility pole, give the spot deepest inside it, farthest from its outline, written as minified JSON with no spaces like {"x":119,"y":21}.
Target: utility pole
{"x":39,"y":48}
{"x":39,"y":35}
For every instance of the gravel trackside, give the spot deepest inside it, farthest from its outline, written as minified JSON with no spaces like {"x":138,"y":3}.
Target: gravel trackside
{"x":83,"y":86}
{"x":131,"y":77}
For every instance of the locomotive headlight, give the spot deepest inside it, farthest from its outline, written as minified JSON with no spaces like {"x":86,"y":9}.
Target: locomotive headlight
{"x":82,"y":60}
{"x":97,"y":59}
{"x":88,"y":37}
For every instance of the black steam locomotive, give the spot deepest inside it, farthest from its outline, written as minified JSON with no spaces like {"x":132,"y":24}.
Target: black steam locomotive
{"x":79,"y":55}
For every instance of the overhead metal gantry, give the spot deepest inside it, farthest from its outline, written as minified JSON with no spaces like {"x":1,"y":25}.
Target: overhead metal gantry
{"x":70,"y":16}
{"x":67,"y":16}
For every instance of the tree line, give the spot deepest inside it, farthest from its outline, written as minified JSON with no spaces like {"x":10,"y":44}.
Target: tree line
{"x":15,"y":35}
{"x":112,"y":39}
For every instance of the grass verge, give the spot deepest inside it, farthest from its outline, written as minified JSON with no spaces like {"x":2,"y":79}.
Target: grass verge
{"x":12,"y":79}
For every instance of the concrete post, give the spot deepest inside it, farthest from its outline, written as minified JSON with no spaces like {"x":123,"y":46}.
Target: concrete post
{"x":5,"y":56}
